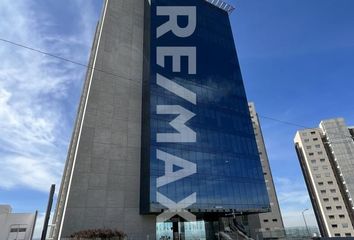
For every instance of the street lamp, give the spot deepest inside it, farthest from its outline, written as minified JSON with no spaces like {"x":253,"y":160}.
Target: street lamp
{"x":307,"y":228}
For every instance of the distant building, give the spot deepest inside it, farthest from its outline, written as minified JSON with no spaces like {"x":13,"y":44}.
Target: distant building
{"x":16,"y":226}
{"x":265,"y":225}
{"x":326,"y":156}
{"x":301,"y":233}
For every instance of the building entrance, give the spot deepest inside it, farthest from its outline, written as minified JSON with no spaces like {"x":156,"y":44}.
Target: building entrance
{"x":177,"y":230}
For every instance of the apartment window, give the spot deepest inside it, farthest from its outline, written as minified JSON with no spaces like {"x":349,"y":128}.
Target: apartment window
{"x":322,"y":160}
{"x":335,"y":199}
{"x":313,"y":133}
{"x":331,"y":216}
{"x":315,"y":139}
{"x":330,"y":182}
{"x":329,"y":208}
{"x":265,"y":220}
{"x":334,"y":226}
{"x":323,"y":191}
{"x":339,"y":207}
{"x":317,"y":146}
{"x":18,"y":230}
{"x":306,"y":140}
{"x":337,"y":234}
{"x":308,"y":147}
{"x":348,"y":234}
{"x":17,"y":233}
{"x":324,"y":167}
{"x":315,"y":168}
{"x":327,"y":174}
{"x":311,"y":153}
{"x":333,"y":190}
{"x":326,"y":199}
{"x":275,"y":220}
{"x":341,"y":216}
{"x":345,"y":225}
{"x":320,"y":153}
{"x":320,"y":183}
{"x":304,"y":134}
{"x":318,"y":175}
{"x":313,"y":161}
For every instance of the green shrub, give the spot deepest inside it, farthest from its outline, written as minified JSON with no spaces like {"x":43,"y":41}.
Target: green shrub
{"x":99,"y":234}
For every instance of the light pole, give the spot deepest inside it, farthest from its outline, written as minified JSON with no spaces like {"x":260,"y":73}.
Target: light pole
{"x":307,"y":228}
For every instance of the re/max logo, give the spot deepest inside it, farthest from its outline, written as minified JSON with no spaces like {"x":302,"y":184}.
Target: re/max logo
{"x":183,"y":134}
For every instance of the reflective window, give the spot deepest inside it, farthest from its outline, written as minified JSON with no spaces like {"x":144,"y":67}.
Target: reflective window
{"x":228,"y":174}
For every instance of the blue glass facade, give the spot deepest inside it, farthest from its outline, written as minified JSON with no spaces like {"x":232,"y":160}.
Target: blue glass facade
{"x":228,"y":174}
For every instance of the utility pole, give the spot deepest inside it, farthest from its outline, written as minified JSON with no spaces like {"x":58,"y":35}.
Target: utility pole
{"x":47,"y":215}
{"x":307,"y":228}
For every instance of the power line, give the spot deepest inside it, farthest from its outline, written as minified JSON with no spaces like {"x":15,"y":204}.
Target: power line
{"x":58,"y":57}
{"x":300,"y":126}
{"x":116,"y":75}
{"x":284,"y":122}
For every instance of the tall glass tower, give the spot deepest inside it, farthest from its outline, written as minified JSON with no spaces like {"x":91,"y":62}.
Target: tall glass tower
{"x":163,"y":131}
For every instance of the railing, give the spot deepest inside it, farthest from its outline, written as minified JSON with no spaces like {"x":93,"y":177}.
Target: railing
{"x":222,"y":5}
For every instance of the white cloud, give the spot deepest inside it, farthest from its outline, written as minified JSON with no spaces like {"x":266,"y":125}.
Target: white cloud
{"x":33,"y":91}
{"x":292,"y":191}
{"x":295,"y":219}
{"x":293,"y":199}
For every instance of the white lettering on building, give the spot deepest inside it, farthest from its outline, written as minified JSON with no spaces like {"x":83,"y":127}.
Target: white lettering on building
{"x":184,"y":134}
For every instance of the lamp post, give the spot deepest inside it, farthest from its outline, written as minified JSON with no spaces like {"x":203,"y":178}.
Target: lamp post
{"x":303,"y":215}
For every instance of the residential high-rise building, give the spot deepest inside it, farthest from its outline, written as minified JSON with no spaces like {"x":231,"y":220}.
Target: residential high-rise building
{"x":265,"y":225}
{"x":163,"y":124}
{"x":326,"y":156}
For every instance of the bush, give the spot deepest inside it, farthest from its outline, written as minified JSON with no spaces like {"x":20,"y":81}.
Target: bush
{"x":99,"y":233}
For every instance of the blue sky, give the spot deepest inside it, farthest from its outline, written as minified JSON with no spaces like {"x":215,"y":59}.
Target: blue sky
{"x":296,"y":58}
{"x":297,"y":63}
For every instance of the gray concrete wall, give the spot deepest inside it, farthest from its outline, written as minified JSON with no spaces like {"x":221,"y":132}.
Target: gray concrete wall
{"x":270,"y":224}
{"x":104,"y":188}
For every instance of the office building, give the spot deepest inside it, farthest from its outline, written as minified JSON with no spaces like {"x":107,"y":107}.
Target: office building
{"x":267,"y":225}
{"x":326,"y":156}
{"x":16,"y":226}
{"x":163,"y":124}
